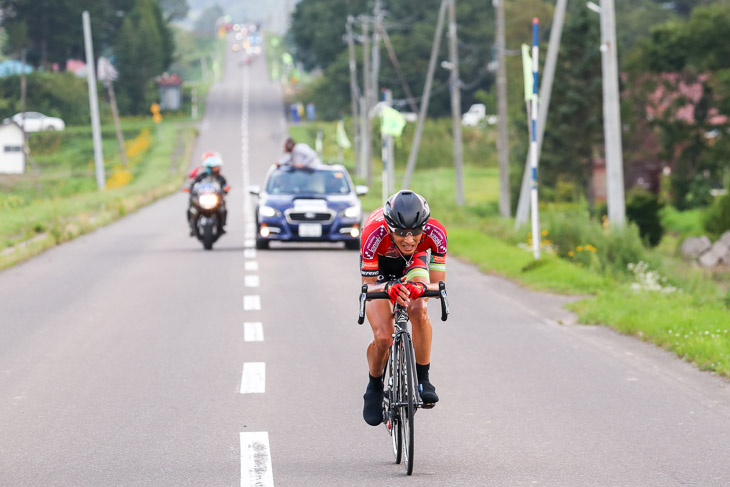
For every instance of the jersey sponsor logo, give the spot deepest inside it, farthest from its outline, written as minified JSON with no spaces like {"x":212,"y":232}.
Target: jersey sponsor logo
{"x":373,"y":241}
{"x":438,"y":237}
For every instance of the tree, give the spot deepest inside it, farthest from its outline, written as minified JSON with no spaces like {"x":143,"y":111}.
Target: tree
{"x":55,"y":27}
{"x":688,"y":95}
{"x":574,"y":131}
{"x":142,"y":52}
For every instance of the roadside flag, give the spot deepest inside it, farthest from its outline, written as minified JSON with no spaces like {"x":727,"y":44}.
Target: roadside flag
{"x":341,"y":135}
{"x":392,"y":122}
{"x":527,"y":71}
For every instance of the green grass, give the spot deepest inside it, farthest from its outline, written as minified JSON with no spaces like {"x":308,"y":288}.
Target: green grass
{"x":693,"y":328}
{"x":63,"y":217}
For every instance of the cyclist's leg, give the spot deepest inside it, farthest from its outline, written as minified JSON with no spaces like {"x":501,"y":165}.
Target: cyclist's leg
{"x":422,"y":330}
{"x":380,"y":318}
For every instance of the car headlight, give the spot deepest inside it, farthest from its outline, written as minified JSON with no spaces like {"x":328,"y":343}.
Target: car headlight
{"x":268,"y":211}
{"x":208,"y":201}
{"x":352,"y":212}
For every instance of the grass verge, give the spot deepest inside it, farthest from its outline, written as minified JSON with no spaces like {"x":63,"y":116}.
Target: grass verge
{"x":45,"y":223}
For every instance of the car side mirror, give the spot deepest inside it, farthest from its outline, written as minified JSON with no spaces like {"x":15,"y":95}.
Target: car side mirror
{"x":254,"y":189}
{"x":361,"y":190}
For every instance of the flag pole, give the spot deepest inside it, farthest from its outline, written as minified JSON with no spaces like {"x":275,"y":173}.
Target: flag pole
{"x":536,"y":237}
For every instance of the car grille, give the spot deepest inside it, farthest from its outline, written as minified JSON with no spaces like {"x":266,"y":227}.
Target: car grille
{"x":309,"y":216}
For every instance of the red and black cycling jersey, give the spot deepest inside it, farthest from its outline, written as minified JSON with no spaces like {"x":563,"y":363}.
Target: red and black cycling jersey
{"x":380,"y":257}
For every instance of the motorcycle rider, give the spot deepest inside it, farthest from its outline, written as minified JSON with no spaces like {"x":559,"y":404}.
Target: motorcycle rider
{"x":211,"y":169}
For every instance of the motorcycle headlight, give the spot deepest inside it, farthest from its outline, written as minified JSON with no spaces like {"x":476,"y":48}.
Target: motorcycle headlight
{"x":268,"y":211}
{"x":208,"y":201}
{"x":352,"y":212}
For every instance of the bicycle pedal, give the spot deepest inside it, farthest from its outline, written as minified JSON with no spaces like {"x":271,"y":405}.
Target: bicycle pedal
{"x":429,"y":405}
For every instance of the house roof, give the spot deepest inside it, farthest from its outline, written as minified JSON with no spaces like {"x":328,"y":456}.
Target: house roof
{"x":169,"y":80}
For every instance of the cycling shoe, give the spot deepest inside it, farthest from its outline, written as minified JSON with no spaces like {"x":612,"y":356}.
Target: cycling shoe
{"x":428,"y":393}
{"x":372,"y":410}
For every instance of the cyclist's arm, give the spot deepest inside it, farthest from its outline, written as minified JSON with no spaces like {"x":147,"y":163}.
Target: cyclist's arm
{"x":436,"y":276}
{"x":373,"y":287}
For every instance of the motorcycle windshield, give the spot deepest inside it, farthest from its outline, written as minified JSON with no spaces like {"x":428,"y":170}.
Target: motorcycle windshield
{"x":205,"y":187}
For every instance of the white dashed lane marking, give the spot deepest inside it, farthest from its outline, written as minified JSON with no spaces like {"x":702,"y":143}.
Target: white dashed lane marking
{"x":251,"y":303}
{"x":251,"y":281}
{"x":249,"y":243}
{"x":253,"y":331}
{"x":251,"y":265}
{"x":249,"y":254}
{"x":253,"y":380}
{"x":256,"y":460}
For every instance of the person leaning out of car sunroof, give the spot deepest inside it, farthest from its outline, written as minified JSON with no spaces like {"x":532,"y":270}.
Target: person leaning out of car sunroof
{"x":298,"y":156}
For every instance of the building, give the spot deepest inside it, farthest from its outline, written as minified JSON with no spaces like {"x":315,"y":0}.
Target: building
{"x":170,"y":91}
{"x":12,"y":156}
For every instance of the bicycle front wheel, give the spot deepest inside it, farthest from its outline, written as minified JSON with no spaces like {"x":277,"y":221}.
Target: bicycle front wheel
{"x":407,"y":381}
{"x":395,"y":426}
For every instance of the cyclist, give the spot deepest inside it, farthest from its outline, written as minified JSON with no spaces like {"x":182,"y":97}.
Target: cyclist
{"x":211,"y":169}
{"x":394,"y":247}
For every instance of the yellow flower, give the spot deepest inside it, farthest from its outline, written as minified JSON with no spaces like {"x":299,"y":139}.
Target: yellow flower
{"x":544,"y":233}
{"x":579,"y":248}
{"x":571,"y":253}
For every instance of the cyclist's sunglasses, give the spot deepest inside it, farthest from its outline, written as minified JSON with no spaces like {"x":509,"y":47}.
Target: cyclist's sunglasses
{"x":404,"y":232}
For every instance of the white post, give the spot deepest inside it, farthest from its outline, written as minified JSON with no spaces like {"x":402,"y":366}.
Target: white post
{"x":533,"y":145}
{"x":612,"y":119}
{"x":93,"y":103}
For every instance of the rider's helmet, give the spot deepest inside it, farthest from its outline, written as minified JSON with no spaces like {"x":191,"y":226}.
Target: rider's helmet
{"x":212,"y":162}
{"x":406,"y":210}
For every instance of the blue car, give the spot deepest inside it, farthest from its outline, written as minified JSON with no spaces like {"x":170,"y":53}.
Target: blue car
{"x":318,"y":204}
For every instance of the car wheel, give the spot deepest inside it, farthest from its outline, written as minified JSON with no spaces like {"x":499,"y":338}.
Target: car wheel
{"x":352,"y":244}
{"x":262,"y":244}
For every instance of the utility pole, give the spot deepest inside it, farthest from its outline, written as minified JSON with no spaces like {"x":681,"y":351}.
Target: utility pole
{"x":354,"y":94}
{"x":413,"y":155}
{"x":456,"y":104}
{"x":366,"y":158}
{"x":546,"y":88}
{"x":377,"y":21}
{"x":502,"y":138}
{"x":612,"y":118}
{"x":93,"y":103}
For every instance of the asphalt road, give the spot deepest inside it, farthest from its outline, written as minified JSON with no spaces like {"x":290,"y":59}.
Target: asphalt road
{"x":131,"y":357}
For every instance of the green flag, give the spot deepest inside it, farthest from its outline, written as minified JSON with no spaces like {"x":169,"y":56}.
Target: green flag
{"x":341,"y":135}
{"x":391,"y":122}
{"x":527,"y":71}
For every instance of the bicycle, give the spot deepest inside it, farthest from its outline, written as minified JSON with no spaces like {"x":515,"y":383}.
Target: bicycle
{"x":400,"y":400}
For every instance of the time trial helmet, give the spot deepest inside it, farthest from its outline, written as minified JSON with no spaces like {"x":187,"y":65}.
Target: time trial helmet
{"x":406,"y":210}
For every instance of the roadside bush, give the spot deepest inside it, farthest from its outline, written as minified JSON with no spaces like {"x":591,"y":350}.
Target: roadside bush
{"x":584,"y":241}
{"x":642,"y":208}
{"x":54,"y":94}
{"x":717,"y":218}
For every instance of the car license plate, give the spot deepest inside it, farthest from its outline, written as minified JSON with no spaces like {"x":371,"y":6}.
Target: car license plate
{"x":310,"y":230}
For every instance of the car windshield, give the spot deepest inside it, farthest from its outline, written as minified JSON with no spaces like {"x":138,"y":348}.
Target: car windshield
{"x":307,"y":181}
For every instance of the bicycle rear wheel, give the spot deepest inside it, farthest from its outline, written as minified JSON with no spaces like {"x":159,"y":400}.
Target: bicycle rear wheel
{"x":407,"y":381}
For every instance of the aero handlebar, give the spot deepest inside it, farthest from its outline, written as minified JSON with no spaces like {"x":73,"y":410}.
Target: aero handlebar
{"x":441,"y":294}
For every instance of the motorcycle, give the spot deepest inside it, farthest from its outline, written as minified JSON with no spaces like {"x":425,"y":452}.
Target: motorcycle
{"x":207,"y":210}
